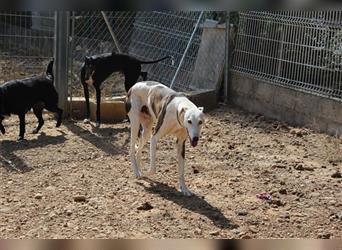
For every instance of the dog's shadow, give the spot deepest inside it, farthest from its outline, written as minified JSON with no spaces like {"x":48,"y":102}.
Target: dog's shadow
{"x":12,"y":162}
{"x":193,"y":203}
{"x":101,"y":138}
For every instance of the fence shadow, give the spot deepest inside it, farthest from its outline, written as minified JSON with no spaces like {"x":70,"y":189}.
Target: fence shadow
{"x":193,"y":203}
{"x":14,"y":163}
{"x":99,"y":137}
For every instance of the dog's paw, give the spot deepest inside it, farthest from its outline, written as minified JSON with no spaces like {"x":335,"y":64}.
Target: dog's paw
{"x":20,"y":138}
{"x":98,"y":124}
{"x":185,"y":191}
{"x":138,"y":174}
{"x":86,"y":121}
{"x":35,"y":131}
{"x":152,"y":171}
{"x":58,"y":124}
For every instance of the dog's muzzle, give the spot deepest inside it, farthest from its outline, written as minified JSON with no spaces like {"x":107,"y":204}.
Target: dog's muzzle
{"x":194,"y":141}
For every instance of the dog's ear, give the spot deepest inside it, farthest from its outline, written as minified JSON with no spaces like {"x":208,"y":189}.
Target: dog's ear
{"x":181,"y":114}
{"x":201,"y":109}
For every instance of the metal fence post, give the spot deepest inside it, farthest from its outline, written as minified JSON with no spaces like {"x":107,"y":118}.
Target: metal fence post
{"x":62,"y":21}
{"x":111,"y":31}
{"x":226,"y":59}
{"x":186,"y":50}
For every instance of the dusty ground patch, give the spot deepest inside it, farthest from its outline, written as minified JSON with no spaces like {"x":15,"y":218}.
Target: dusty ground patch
{"x":240,"y":155}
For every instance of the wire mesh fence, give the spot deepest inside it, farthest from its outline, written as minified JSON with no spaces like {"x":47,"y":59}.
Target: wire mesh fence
{"x":296,"y":49}
{"x":149,"y":36}
{"x":26,"y":43}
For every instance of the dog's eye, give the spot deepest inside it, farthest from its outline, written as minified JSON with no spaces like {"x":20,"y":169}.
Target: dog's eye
{"x":200,"y":122}
{"x":189,"y":121}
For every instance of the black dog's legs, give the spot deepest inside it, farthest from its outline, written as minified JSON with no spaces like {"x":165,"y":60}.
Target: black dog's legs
{"x":86,"y":95}
{"x":2,"y":129}
{"x":143,"y":75}
{"x":54,"y":108}
{"x":38,"y":110}
{"x":131,"y":79}
{"x":98,"y":105}
{"x":22,"y":126}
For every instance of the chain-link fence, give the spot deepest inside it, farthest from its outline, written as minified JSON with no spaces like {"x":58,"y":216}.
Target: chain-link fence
{"x":149,"y":36}
{"x":26,"y":43}
{"x":296,"y":49}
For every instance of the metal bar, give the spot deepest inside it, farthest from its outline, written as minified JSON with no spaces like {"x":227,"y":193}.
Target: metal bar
{"x":62,"y":20}
{"x":111,"y":31}
{"x":71,"y":62}
{"x":186,"y":50}
{"x":226,"y":58}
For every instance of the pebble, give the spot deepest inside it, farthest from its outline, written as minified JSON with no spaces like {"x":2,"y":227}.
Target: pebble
{"x":282,"y":191}
{"x":242,"y":213}
{"x":80,"y":198}
{"x":215,"y":233}
{"x":337,"y":174}
{"x":38,"y":196}
{"x":198,"y":231}
{"x":145,"y":206}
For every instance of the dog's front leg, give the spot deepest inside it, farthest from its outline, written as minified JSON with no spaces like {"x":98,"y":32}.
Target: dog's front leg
{"x":2,"y":128}
{"x":86,"y":96}
{"x":153,"y":149}
{"x":21,"y":127}
{"x":181,"y":160}
{"x":98,"y":105}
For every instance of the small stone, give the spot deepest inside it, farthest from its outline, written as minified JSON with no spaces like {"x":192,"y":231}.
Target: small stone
{"x":337,"y":174}
{"x":195,"y":170}
{"x":215,"y":233}
{"x":282,"y":191}
{"x":242,"y":213}
{"x":253,"y":229}
{"x":198,"y":231}
{"x":68,"y":212}
{"x":5,"y":210}
{"x":80,"y":198}
{"x":145,"y":206}
{"x":324,"y":236}
{"x":38,"y":196}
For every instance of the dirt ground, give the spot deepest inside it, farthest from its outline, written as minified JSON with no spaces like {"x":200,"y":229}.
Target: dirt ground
{"x":76,"y":182}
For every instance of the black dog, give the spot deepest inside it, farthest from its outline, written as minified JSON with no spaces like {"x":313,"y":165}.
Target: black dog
{"x":97,"y":68}
{"x":19,"y":96}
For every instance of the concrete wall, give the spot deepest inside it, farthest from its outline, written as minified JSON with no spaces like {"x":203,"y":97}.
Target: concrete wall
{"x":296,"y":108}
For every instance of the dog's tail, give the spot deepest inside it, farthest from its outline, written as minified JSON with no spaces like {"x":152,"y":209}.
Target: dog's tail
{"x":158,"y":60}
{"x":128,"y":104}
{"x":49,"y":70}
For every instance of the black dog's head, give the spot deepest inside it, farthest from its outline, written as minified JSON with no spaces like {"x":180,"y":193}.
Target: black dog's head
{"x":89,"y":67}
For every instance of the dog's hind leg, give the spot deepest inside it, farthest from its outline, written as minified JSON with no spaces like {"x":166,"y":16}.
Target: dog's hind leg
{"x":98,"y":106}
{"x":2,"y":128}
{"x":146,"y":134}
{"x":38,"y":110}
{"x":181,"y":159}
{"x":21,"y":126}
{"x":135,"y":126}
{"x":143,"y":75}
{"x":59,"y":112}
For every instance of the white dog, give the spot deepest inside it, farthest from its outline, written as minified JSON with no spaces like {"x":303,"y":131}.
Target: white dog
{"x":150,"y":103}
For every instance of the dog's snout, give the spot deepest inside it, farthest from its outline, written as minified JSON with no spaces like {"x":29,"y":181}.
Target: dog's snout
{"x":195,"y":139}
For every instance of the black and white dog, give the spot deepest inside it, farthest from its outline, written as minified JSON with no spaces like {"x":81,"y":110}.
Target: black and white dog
{"x":98,"y":68}
{"x":19,"y":96}
{"x":151,"y":103}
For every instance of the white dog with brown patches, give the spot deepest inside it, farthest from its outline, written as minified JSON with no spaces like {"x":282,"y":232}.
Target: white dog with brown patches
{"x":151,"y":104}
